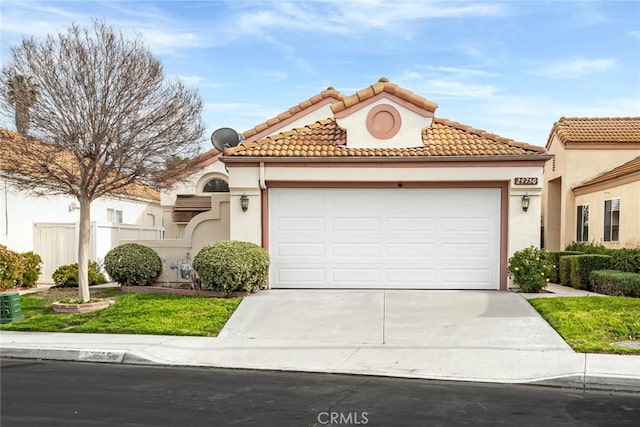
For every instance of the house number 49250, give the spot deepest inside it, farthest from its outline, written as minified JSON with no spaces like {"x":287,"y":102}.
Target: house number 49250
{"x":526,"y":181}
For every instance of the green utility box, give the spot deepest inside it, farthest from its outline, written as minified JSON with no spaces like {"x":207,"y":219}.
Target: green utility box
{"x":10,"y":308}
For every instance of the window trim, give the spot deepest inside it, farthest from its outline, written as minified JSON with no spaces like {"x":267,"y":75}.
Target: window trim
{"x":608,"y":234}
{"x":581,"y":224}
{"x":214,"y":179}
{"x":204,"y":179}
{"x":115,"y":216}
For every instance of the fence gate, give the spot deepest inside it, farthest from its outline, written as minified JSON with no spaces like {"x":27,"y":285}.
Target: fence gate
{"x":56,"y":244}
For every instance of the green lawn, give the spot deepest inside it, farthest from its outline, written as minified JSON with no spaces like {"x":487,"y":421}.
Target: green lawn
{"x":132,"y":314}
{"x":591,"y":324}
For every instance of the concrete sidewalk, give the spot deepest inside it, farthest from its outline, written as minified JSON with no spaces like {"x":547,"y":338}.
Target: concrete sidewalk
{"x":556,"y":368}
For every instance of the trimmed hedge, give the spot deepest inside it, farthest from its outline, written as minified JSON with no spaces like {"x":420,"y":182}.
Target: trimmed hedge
{"x":133,"y":264}
{"x":67,"y":276}
{"x":565,"y":269}
{"x":627,"y":260}
{"x":580,"y":266}
{"x":587,"y":248}
{"x":232,"y":265}
{"x":615,"y":282}
{"x":623,"y":259}
{"x":554,"y":258}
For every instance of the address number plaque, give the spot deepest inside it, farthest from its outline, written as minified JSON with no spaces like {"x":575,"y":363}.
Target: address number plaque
{"x":526,"y":181}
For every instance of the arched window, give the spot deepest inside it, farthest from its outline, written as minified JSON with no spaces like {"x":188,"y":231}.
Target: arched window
{"x":216,"y":185}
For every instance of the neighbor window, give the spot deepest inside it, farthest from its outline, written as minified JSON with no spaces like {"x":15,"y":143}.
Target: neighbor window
{"x":582,"y":233}
{"x":216,"y":185}
{"x":151,"y":220}
{"x":114,"y":215}
{"x":612,"y":220}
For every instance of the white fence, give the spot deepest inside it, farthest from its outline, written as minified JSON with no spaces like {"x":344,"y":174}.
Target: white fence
{"x":57,"y":243}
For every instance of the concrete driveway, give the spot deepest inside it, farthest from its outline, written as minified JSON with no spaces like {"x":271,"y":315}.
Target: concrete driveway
{"x":402,"y":318}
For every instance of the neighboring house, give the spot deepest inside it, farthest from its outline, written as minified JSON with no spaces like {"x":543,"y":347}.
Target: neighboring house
{"x":48,"y":225}
{"x":374,"y":191}
{"x":592,"y":185}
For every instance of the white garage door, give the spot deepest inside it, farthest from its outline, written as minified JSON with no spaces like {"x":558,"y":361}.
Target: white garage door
{"x":384,"y":238}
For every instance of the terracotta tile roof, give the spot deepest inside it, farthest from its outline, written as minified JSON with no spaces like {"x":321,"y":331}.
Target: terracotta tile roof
{"x":596,"y":130}
{"x":326,"y":139}
{"x":12,"y":157}
{"x":383,"y":85}
{"x":625,"y":169}
{"x":329,"y":93}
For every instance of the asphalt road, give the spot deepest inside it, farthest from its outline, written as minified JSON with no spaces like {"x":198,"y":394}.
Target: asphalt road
{"x":36,"y":393}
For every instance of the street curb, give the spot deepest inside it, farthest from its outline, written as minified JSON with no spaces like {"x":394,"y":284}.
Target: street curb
{"x":579,"y":382}
{"x":73,"y":355}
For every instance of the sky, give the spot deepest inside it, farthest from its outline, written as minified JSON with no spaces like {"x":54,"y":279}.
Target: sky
{"x":512,"y":67}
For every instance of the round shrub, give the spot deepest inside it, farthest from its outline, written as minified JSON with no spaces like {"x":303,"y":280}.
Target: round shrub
{"x":66,"y":276}
{"x":32,"y":268}
{"x":11,"y":268}
{"x":132,"y":264}
{"x":231,"y":265}
{"x":530,"y":269}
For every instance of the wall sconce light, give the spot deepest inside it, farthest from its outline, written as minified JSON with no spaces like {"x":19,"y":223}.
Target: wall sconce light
{"x":73,"y":206}
{"x":525,"y":202}
{"x":244,"y":202}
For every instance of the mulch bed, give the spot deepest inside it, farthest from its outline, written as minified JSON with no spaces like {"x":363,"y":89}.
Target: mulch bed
{"x":179,"y":291}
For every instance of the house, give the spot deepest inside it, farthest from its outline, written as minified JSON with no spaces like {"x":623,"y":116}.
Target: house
{"x":374,"y":190}
{"x":48,"y":225}
{"x":195,"y":202}
{"x":592,"y":184}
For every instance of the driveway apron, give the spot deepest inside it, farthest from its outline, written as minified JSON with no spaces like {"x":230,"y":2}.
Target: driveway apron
{"x":415,"y":319}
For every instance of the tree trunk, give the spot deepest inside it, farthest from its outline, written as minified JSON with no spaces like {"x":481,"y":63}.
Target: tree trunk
{"x":83,"y":249}
{"x":22,"y":119}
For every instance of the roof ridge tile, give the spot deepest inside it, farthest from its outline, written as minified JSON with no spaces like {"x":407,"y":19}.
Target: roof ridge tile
{"x":383,"y":85}
{"x":329,"y":92}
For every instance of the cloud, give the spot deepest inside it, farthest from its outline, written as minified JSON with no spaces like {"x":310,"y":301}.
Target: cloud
{"x":634,"y":34}
{"x":198,"y":81}
{"x":272,"y":75}
{"x":529,"y":118}
{"x":230,"y":106}
{"x":237,"y":115}
{"x":576,"y":67}
{"x":349,"y":17}
{"x":162,"y":33}
{"x":168,"y":42}
{"x":461,"y":71}
{"x":443,"y":89}
{"x":446,"y":87}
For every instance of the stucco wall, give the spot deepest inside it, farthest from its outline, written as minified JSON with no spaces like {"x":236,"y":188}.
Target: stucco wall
{"x":629,"y":195}
{"x":409,"y":134}
{"x":574,"y":166}
{"x":192,"y":183}
{"x":203,"y":229}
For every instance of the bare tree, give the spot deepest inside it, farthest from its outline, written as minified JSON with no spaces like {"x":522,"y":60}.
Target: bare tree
{"x":21,"y":95}
{"x":108,"y":115}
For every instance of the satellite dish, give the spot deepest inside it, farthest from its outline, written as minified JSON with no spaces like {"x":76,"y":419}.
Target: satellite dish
{"x":225,"y":138}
